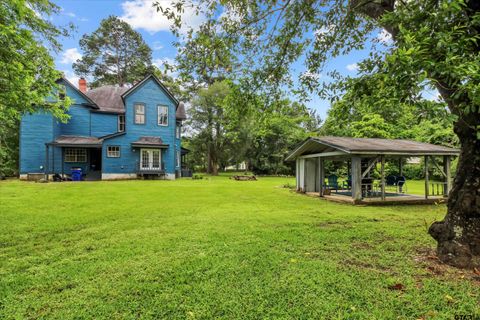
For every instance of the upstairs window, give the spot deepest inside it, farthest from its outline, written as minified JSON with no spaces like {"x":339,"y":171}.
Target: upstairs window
{"x":139,"y":114}
{"x":75,"y":155}
{"x":113,"y":151}
{"x":179,"y":131}
{"x":162,"y":116}
{"x":121,"y":123}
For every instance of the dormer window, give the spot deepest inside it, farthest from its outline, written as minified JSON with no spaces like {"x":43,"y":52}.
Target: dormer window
{"x":121,"y":123}
{"x":162,"y":115}
{"x":139,"y":110}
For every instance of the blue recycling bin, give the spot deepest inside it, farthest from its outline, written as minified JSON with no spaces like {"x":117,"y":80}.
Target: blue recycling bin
{"x":76,"y":174}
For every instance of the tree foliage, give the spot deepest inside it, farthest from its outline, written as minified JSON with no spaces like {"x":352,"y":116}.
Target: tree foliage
{"x":27,"y":70}
{"x":114,"y":54}
{"x":434,"y":42}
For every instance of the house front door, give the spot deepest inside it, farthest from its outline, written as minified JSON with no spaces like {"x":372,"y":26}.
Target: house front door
{"x":150,"y":159}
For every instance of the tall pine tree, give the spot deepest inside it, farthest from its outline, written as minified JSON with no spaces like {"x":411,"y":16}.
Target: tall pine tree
{"x":114,"y":54}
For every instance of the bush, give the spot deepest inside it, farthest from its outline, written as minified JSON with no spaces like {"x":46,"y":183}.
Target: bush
{"x":413,"y":171}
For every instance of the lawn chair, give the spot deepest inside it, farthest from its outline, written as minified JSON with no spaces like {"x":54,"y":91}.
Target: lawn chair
{"x":332,"y":182}
{"x":391,"y":181}
{"x":402,"y":184}
{"x":347,"y":184}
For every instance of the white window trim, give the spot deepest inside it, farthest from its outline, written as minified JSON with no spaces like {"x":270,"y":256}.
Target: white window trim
{"x":75,"y":155}
{"x":120,"y":122}
{"x":113,"y":154}
{"x":135,"y":113}
{"x":158,"y":115}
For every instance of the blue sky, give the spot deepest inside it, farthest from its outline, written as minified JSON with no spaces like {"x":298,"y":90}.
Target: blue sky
{"x":87,"y":14}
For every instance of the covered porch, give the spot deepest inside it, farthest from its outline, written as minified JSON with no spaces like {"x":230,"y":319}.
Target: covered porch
{"x":151,"y":157}
{"x":68,"y":152}
{"x":361,"y":156}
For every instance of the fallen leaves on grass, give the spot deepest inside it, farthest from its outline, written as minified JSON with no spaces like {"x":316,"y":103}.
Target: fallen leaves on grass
{"x":397,"y":286}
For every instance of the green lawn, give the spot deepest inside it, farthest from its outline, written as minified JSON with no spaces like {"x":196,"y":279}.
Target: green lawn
{"x":217,"y":248}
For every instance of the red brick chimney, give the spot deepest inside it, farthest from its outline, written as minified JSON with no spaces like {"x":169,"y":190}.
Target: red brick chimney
{"x":82,"y":84}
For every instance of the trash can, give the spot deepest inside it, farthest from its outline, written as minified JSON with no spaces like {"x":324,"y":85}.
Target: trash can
{"x":76,"y":174}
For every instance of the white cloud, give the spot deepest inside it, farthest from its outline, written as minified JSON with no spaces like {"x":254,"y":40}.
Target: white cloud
{"x":157,"y":45}
{"x":67,"y":13}
{"x":161,"y":62}
{"x":352,"y":67}
{"x":384,"y":36}
{"x":73,"y":78}
{"x":70,"y":56}
{"x":311,"y":75}
{"x":141,"y":14}
{"x":82,"y":19}
{"x":325,"y":30}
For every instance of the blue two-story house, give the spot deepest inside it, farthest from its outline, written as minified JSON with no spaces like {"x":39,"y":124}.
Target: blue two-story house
{"x":113,"y":133}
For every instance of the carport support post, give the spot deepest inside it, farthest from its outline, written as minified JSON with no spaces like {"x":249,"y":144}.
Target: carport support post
{"x":448,"y":178}
{"x":63,"y":160}
{"x":321,"y":170}
{"x":356,"y":178}
{"x":426,"y":177}
{"x":46,"y":162}
{"x":382,"y":172}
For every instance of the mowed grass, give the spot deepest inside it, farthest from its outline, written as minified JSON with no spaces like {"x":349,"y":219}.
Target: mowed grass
{"x":217,"y":248}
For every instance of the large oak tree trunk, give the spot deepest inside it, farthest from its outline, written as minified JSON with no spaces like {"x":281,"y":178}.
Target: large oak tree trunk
{"x":458,"y":235}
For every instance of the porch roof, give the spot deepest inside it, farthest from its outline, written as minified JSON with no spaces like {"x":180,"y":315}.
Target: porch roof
{"x":149,"y":142}
{"x":366,"y":146}
{"x":77,"y":141}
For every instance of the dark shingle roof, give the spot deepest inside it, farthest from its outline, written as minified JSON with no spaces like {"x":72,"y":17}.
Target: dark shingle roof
{"x":149,"y":141}
{"x":181,"y":114}
{"x":77,"y":141}
{"x":108,"y":98}
{"x":352,"y":145}
{"x":368,"y":146}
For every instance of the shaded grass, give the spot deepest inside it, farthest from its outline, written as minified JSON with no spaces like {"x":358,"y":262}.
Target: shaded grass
{"x":215,"y":248}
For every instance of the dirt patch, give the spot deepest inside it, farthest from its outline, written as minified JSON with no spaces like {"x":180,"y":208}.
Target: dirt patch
{"x":427,"y":258}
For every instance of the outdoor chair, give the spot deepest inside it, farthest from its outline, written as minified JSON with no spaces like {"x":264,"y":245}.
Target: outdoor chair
{"x":402,"y":184}
{"x":332,"y":182}
{"x":348,"y":183}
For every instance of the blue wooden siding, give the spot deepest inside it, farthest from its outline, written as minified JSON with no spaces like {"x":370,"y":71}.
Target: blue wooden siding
{"x":40,"y":128}
{"x":151,"y":95}
{"x":35,"y":130}
{"x":103,"y":124}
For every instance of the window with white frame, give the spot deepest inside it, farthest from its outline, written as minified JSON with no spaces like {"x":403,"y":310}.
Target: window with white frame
{"x":178,"y":158}
{"x":75,"y":155}
{"x":139,"y":113}
{"x":179,"y":131}
{"x":121,"y":123}
{"x":162,"y":115}
{"x":113,"y":152}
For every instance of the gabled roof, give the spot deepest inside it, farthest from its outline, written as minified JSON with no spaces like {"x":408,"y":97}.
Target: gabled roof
{"x":368,"y":146}
{"x":111,"y":99}
{"x":91,"y":104}
{"x":108,"y":98}
{"x":151,"y":76}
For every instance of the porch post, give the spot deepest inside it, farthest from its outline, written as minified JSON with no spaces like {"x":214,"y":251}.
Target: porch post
{"x":356,"y":178}
{"x":322,"y":175}
{"x":46,"y":162}
{"x":400,"y":166}
{"x":382,"y":172}
{"x":63,"y":162}
{"x":448,"y":178}
{"x":426,"y":177}
{"x":297,"y":173}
